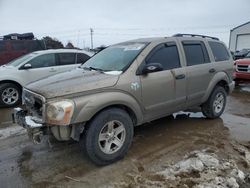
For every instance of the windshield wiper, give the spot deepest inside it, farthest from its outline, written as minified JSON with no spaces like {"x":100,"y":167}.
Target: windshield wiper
{"x":93,"y":68}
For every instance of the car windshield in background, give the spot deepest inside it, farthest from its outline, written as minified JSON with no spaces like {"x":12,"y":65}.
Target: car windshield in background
{"x":248,"y":55}
{"x":18,"y":61}
{"x":115,"y":58}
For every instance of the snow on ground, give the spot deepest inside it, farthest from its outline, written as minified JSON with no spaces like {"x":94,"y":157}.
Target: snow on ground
{"x":11,"y":131}
{"x":205,"y":170}
{"x":198,"y":169}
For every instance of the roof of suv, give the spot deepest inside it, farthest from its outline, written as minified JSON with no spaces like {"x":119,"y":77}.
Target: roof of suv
{"x":182,"y":36}
{"x":63,"y":51}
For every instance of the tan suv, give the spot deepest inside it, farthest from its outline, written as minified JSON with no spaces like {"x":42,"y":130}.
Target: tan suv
{"x":126,"y":85}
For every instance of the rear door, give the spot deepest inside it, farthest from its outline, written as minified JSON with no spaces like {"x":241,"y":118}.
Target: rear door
{"x":222,"y":59}
{"x":199,"y":70}
{"x":164,"y":91}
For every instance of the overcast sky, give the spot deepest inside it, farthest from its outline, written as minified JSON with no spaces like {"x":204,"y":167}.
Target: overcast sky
{"x":119,"y":20}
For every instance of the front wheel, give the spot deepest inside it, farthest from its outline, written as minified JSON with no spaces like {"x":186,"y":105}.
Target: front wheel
{"x":10,"y":95}
{"x":215,"y":105}
{"x":109,"y":136}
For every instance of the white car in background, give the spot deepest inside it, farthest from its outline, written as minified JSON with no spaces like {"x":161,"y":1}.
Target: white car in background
{"x":35,"y":66}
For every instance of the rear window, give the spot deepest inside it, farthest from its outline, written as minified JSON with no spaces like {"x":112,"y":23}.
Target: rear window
{"x":195,"y":53}
{"x":66,"y":58}
{"x":219,"y":51}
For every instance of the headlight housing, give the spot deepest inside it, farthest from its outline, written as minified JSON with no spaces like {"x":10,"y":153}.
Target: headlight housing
{"x":60,"y":113}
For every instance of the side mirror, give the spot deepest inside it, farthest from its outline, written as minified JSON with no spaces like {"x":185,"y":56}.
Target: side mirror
{"x":27,"y":66}
{"x":152,"y":67}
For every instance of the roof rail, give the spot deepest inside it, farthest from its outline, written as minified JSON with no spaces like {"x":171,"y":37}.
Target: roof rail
{"x":194,"y":35}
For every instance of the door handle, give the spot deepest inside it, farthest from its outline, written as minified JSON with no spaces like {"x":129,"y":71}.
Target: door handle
{"x":180,"y":76}
{"x":212,"y":70}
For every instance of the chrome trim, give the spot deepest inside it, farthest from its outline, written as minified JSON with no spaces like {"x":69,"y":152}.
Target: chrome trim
{"x":245,"y":67}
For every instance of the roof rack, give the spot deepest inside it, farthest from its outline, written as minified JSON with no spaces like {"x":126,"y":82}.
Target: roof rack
{"x":194,"y":35}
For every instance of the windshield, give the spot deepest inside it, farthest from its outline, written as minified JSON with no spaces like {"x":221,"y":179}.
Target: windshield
{"x":115,"y":58}
{"x":16,"y":62}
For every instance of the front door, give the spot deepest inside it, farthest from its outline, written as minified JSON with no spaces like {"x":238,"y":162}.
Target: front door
{"x":163,"y":92}
{"x":42,"y":66}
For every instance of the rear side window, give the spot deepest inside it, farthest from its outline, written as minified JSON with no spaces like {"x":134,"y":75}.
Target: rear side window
{"x":165,"y":54}
{"x":195,"y":52}
{"x":46,"y":60}
{"x":66,"y":58}
{"x":219,"y":51}
{"x":82,"y":58}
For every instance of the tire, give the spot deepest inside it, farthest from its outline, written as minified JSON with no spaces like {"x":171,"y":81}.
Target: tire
{"x":100,"y":141}
{"x":212,"y":108}
{"x":10,"y":95}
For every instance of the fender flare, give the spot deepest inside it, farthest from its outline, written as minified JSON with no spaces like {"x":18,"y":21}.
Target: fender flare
{"x":218,"y":77}
{"x":89,"y":106}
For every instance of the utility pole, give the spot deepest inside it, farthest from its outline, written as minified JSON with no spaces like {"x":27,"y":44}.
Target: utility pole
{"x":91,"y":37}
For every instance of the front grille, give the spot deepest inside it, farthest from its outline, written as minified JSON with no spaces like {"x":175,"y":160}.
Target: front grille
{"x":243,"y":68}
{"x":34,"y":104}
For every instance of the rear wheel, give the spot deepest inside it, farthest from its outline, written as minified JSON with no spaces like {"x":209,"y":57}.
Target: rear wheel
{"x":109,"y":136}
{"x":10,"y":95}
{"x":215,"y":105}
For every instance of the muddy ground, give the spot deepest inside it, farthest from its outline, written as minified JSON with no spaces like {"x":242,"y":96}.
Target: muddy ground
{"x":185,"y":150}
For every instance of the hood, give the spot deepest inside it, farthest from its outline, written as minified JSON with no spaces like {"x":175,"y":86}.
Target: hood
{"x":243,"y":61}
{"x":5,"y":67}
{"x":74,"y":81}
{"x":7,"y":71}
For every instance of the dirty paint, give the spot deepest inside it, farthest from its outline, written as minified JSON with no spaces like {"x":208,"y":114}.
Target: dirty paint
{"x":157,"y":146}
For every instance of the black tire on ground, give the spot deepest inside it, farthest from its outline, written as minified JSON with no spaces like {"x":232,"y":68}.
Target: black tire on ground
{"x":209,"y":108}
{"x":12,"y":87}
{"x":119,"y":120}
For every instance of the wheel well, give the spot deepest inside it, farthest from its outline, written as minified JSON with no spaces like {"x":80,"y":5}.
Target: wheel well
{"x":124,"y":107}
{"x":12,"y":82}
{"x":223,"y":84}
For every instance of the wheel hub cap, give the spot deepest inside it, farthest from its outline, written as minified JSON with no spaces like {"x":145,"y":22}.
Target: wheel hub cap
{"x":218,"y":103}
{"x":10,"y":96}
{"x":112,"y":137}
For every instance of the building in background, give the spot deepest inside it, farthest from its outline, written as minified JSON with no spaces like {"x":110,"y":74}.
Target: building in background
{"x":240,"y":37}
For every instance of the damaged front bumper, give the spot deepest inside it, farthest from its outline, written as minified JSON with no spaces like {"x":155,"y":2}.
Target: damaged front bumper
{"x":35,"y":129}
{"x":21,"y":118}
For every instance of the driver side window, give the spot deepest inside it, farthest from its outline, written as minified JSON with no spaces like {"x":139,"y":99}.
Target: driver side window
{"x":46,"y":60}
{"x":165,"y":54}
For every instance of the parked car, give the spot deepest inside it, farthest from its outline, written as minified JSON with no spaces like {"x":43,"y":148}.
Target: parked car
{"x":241,"y":54}
{"x":242,"y":70}
{"x":35,"y":66}
{"x":15,"y":45}
{"x":126,"y":85}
